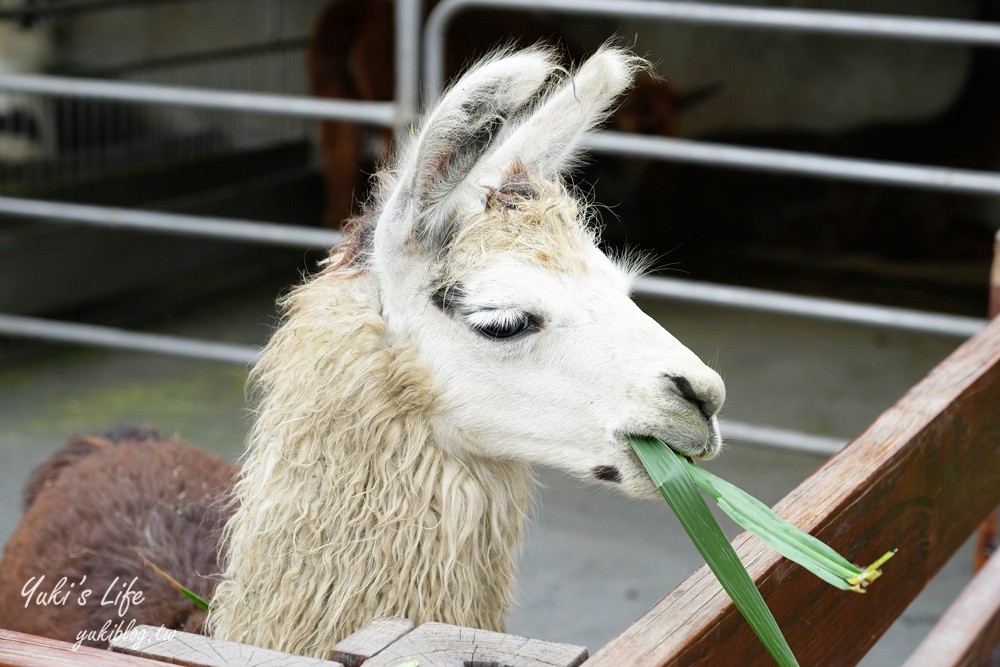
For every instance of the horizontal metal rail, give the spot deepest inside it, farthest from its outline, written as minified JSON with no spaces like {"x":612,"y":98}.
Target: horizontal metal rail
{"x":755,"y":159}
{"x":355,"y":111}
{"x":780,"y":438}
{"x":198,"y":57}
{"x":246,"y":231}
{"x":98,"y":336}
{"x":247,"y":355}
{"x":884,"y":26}
{"x":649,"y":286}
{"x":69,"y":7}
{"x":746,"y":298}
{"x":796,"y":163}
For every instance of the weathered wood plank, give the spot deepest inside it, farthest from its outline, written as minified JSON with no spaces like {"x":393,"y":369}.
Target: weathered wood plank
{"x":920,"y":478}
{"x":191,"y":650}
{"x":969,"y":632}
{"x":21,"y":650}
{"x":370,"y":640}
{"x":441,"y":645}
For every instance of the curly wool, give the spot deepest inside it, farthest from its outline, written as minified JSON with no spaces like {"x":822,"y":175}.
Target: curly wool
{"x":347,"y":509}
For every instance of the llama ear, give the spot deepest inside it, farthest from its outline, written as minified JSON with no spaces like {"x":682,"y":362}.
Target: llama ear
{"x":458,"y":132}
{"x":548,"y":141}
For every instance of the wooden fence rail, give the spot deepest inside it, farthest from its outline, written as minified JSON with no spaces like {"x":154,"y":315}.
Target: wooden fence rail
{"x":920,"y":479}
{"x":386,"y":642}
{"x":968,"y":635}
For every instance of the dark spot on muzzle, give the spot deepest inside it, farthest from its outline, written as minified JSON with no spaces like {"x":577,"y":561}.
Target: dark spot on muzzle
{"x":607,"y":474}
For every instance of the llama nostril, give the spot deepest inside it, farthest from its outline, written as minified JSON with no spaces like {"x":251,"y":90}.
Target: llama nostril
{"x":707,"y":403}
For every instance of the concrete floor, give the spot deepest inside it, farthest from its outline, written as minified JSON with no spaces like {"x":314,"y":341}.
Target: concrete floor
{"x":593,"y":561}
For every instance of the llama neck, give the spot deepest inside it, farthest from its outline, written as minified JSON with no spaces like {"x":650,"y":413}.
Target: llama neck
{"x":347,"y":508}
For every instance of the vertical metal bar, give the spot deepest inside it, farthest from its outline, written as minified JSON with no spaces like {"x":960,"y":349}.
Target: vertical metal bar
{"x":435,"y":33}
{"x":407,"y":62}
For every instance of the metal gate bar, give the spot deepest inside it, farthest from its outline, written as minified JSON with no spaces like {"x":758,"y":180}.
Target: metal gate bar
{"x":89,"y":334}
{"x":796,"y":163}
{"x":649,"y":286}
{"x":367,"y":113}
{"x":885,"y":26}
{"x":245,"y":231}
{"x":389,"y":114}
{"x":247,"y":355}
{"x":761,"y":159}
{"x":747,"y":298}
{"x":70,"y":7}
{"x":407,"y":63}
{"x":781,"y":438}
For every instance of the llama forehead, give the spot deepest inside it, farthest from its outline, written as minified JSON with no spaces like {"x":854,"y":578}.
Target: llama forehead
{"x":572,"y":289}
{"x":541,"y":227}
{"x":511,"y":285}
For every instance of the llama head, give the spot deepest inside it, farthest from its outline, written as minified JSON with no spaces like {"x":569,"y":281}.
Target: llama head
{"x":489,"y":268}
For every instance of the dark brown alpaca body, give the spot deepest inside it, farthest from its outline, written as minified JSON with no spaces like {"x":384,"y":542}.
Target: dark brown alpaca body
{"x":95,"y":509}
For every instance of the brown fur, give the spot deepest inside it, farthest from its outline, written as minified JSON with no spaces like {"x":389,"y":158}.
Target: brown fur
{"x":97,"y":507}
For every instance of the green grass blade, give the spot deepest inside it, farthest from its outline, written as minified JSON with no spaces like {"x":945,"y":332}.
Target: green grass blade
{"x":792,"y":543}
{"x":671,"y":475}
{"x":789,"y":548}
{"x":203,"y":604}
{"x":775,"y":531}
{"x":176,"y":585}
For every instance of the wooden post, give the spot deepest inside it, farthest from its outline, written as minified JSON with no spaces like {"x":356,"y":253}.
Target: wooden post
{"x":921,"y":478}
{"x":986,"y":540}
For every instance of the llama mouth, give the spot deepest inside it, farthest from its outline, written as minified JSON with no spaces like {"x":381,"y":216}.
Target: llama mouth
{"x":705,"y":451}
{"x":632,"y":469}
{"x":685,"y":455}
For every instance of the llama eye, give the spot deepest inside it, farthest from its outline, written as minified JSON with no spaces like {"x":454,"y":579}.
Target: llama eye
{"x":506,"y":328}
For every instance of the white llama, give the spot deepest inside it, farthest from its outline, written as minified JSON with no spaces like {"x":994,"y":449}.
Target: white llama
{"x":470,"y":328}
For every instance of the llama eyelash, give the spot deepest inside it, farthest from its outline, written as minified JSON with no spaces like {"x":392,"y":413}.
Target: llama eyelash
{"x":503,"y":324}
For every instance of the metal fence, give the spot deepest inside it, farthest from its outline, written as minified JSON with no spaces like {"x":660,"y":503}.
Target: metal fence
{"x":399,"y":113}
